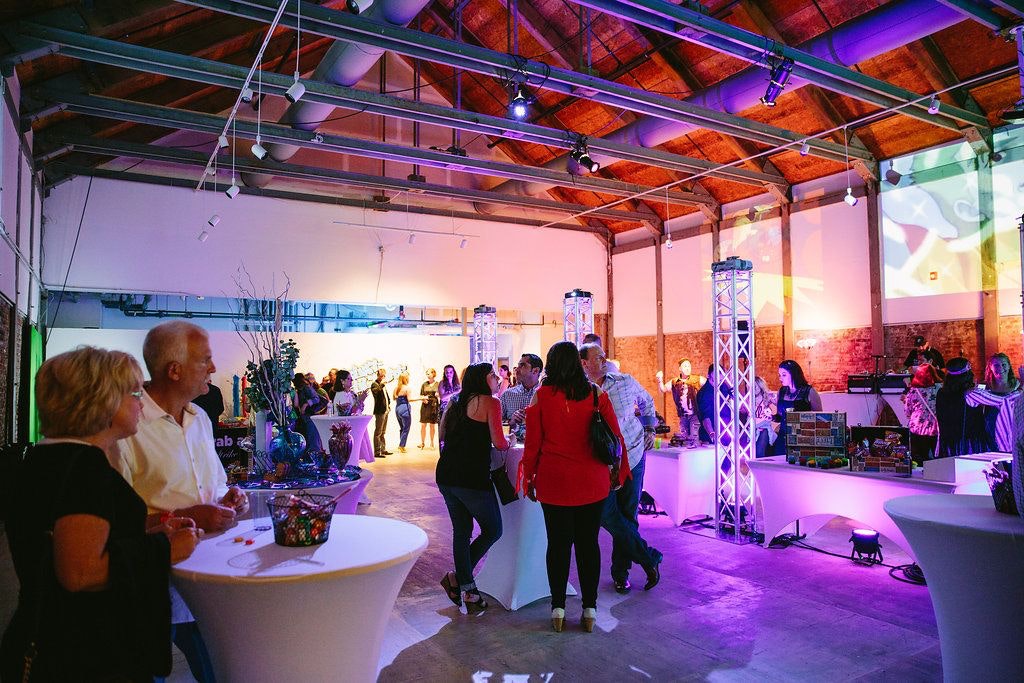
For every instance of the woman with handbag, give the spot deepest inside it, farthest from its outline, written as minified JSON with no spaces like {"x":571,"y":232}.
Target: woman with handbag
{"x":919,"y":402}
{"x":93,"y":567}
{"x":562,"y":470}
{"x":470,"y":425}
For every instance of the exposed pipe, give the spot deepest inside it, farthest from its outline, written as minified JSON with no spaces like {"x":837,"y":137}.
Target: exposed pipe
{"x":869,"y":35}
{"x":345,"y":63}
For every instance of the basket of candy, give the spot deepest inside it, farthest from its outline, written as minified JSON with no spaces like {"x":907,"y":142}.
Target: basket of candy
{"x":301,"y":519}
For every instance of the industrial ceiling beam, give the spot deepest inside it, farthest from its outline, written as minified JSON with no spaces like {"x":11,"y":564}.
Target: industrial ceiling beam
{"x":175,"y":65}
{"x":344,"y":26}
{"x":94,"y":105}
{"x":187,"y":157}
{"x":973,"y":10}
{"x":751,"y":47}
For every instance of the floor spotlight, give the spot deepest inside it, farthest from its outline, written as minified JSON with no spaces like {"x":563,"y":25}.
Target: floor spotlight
{"x":296,"y":91}
{"x":777,"y":79}
{"x":892,"y":176}
{"x":866,"y":548}
{"x":222,"y":141}
{"x":203,"y":236}
{"x":849,"y":198}
{"x":258,"y":150}
{"x":214,"y":220}
{"x":463,"y":243}
{"x":933,"y":105}
{"x":519,"y":105}
{"x":247,"y":94}
{"x":805,"y":149}
{"x":232,"y":190}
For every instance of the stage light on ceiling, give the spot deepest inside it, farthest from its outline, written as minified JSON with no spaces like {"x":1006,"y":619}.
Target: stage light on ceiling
{"x":203,"y":236}
{"x":866,"y":548}
{"x":214,"y":220}
{"x":222,"y":141}
{"x":358,"y":6}
{"x":805,"y":149}
{"x":232,"y":190}
{"x":892,"y":176}
{"x":258,"y":150}
{"x":580,"y":154}
{"x":933,"y":105}
{"x":519,"y":105}
{"x":463,"y":243}
{"x":849,"y":198}
{"x":778,"y":77}
{"x":247,"y":94}
{"x":296,"y":91}
{"x":668,"y":242}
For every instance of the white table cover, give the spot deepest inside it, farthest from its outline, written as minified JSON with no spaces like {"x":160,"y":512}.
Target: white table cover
{"x":362,"y":447}
{"x":682,"y":481}
{"x":814,"y":496}
{"x":973,"y":560}
{"x":271,"y":613}
{"x":515,"y":571}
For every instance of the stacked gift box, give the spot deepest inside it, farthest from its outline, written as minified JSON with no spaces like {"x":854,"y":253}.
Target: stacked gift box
{"x":816,"y":439}
{"x":889,"y":454}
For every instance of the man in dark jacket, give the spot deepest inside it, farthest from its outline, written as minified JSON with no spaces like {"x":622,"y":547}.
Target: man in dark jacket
{"x":381,"y":408}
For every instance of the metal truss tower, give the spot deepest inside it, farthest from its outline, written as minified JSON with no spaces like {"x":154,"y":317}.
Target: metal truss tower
{"x":577,"y":315}
{"x":732,"y":314}
{"x":484,"y":348}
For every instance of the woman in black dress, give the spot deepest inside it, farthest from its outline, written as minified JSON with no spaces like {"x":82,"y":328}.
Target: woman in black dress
{"x":961,"y":427}
{"x":795,"y":394}
{"x":93,"y":597}
{"x":430,"y":412}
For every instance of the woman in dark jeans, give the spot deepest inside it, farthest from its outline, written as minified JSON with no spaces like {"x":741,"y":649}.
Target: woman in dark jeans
{"x":561,"y":471}
{"x":470,"y":425}
{"x":307,"y":403}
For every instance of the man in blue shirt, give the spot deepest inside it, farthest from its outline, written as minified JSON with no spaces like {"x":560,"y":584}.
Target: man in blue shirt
{"x":706,"y":406}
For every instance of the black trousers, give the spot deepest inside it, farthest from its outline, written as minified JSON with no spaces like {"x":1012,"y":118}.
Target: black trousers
{"x":573,"y":526}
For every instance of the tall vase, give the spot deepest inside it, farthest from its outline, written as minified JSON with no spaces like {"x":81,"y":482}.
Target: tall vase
{"x":340,"y":446}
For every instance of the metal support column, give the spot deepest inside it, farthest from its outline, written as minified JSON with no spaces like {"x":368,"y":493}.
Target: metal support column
{"x":732,"y":320}
{"x":484,"y":347}
{"x":577,"y":316}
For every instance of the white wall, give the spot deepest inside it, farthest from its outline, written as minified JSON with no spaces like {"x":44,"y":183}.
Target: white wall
{"x":139,"y":237}
{"x":633,"y":281}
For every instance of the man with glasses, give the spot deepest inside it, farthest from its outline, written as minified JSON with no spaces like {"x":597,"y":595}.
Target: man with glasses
{"x":516,"y":399}
{"x":634,"y":408}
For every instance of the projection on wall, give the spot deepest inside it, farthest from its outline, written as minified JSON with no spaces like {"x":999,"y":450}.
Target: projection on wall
{"x":930,"y":221}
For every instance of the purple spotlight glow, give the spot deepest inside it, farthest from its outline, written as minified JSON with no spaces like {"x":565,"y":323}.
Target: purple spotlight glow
{"x":866,"y":548}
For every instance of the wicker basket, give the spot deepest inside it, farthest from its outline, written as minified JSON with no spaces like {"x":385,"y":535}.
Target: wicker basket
{"x":301,"y":519}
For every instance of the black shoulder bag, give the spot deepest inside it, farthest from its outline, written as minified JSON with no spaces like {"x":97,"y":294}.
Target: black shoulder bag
{"x":606,"y":446}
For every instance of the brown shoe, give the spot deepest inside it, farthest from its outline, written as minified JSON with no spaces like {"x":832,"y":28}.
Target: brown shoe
{"x":558,"y":619}
{"x":588,"y":619}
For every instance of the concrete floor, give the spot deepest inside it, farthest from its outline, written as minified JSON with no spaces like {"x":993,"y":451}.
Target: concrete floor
{"x":721,"y":612}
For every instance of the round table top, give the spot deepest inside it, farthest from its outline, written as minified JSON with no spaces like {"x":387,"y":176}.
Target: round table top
{"x":961,"y":511}
{"x":357,"y":544}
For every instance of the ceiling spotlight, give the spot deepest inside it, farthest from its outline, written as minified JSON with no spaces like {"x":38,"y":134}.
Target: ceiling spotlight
{"x":258,"y":150}
{"x":668,"y":242}
{"x":247,"y":94}
{"x":849,"y":198}
{"x":805,"y":148}
{"x":519,"y":105}
{"x":412,"y":238}
{"x":214,"y":220}
{"x":866,"y":548}
{"x":203,"y":236}
{"x":222,"y":141}
{"x":933,"y":105}
{"x":358,"y":6}
{"x":463,"y":243}
{"x":892,"y":176}
{"x":232,"y":190}
{"x":296,"y":91}
{"x":581,"y":155}
{"x":995,"y":157}
{"x":777,"y":79}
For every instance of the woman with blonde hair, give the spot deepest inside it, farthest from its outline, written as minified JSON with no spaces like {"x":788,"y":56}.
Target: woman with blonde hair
{"x":93,"y":566}
{"x":403,"y":411}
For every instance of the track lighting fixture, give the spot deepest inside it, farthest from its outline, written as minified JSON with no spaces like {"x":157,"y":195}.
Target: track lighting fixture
{"x":581,"y":155}
{"x":892,"y":176}
{"x":463,"y":243}
{"x":296,"y":91}
{"x":519,"y":105}
{"x":849,"y":198}
{"x":805,"y":148}
{"x":222,"y":141}
{"x":258,"y":150}
{"x":358,"y":6}
{"x":214,"y":220}
{"x":232,"y":190}
{"x":203,"y":236}
{"x":933,"y":105}
{"x":247,"y":94}
{"x":668,"y":241}
{"x":777,"y":79}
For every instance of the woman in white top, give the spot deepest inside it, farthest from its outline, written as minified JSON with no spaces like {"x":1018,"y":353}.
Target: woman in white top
{"x":347,"y":402}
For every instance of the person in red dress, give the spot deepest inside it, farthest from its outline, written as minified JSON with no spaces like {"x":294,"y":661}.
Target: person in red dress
{"x":560,"y":470}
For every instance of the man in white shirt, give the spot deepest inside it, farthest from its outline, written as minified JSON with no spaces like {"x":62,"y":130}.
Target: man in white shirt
{"x":171,"y":461}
